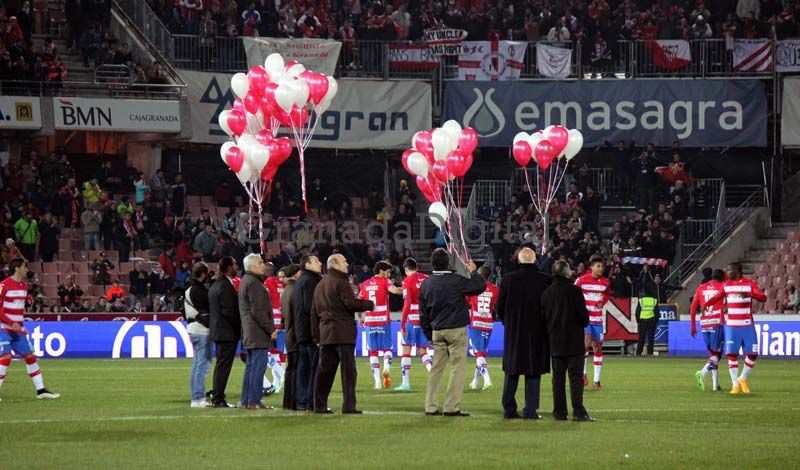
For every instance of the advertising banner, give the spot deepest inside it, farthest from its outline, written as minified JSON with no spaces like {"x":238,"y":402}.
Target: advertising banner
{"x":775,"y":339}
{"x":318,"y":55}
{"x":364,"y":113}
{"x":127,"y":316}
{"x":20,"y":112}
{"x":699,"y":113}
{"x":120,"y":115}
{"x":666,"y":313}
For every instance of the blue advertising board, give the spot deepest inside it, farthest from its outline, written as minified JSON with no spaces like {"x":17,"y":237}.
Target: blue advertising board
{"x":666,"y":314}
{"x":699,"y":113}
{"x":775,"y":339}
{"x":151,"y":339}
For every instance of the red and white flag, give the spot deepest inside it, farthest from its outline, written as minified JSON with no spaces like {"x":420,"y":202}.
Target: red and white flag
{"x":412,"y":57}
{"x":553,"y":62}
{"x":671,"y":54}
{"x":752,"y":55}
{"x":491,"y":60}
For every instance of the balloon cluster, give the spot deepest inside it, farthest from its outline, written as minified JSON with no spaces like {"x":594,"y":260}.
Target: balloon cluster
{"x":551,"y":149}
{"x":439,"y":159}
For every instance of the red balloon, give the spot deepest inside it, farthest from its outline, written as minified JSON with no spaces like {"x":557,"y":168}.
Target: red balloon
{"x":234,"y":158}
{"x":289,"y":64}
{"x":430,"y":190}
{"x":545,"y":153}
{"x":468,"y":140}
{"x":423,"y":142}
{"x":251,"y":102}
{"x":317,"y":85}
{"x":238,"y":104}
{"x":279,"y":151}
{"x":522,"y":153}
{"x":268,"y":172}
{"x":259,"y":78}
{"x":237,"y":121}
{"x":440,"y":172}
{"x":264,"y":136}
{"x":299,"y":116}
{"x":404,"y":160}
{"x":457,"y":163}
{"x":269,"y":96}
{"x":558,"y":137}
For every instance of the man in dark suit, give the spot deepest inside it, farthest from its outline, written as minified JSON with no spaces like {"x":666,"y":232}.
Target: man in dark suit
{"x":302,"y":299}
{"x":333,"y":327}
{"x":525,"y":349}
{"x":564,"y":310}
{"x":225,"y":327}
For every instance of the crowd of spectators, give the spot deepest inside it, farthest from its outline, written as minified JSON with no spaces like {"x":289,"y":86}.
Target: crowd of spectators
{"x":20,"y":59}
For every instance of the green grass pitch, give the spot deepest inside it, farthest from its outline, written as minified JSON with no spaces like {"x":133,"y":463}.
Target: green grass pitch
{"x":135,"y":414}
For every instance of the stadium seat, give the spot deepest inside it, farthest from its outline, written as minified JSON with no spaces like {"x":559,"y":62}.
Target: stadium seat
{"x":192,"y":200}
{"x":207,"y":202}
{"x":50,"y":290}
{"x":793,"y":236}
{"x":779,"y":282}
{"x":113,"y":256}
{"x":780,"y":247}
{"x":762,"y":281}
{"x":788,"y":258}
{"x":81,"y":268}
{"x":64,"y":244}
{"x":65,"y":268}
{"x":35,"y":266}
{"x":50,"y":279}
{"x":773,"y":259}
{"x":97,"y":291}
{"x":126,"y":267}
{"x":776,"y":269}
{"x":66,"y":256}
{"x":83,"y":279}
{"x":762,"y":270}
{"x":50,"y":267}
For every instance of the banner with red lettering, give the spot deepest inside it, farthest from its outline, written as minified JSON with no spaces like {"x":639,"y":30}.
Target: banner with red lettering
{"x":491,"y":60}
{"x":412,"y":57}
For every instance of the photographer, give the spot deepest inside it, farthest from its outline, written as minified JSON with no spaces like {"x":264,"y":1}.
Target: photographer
{"x":197,"y":314}
{"x":69,"y":294}
{"x":140,"y":283}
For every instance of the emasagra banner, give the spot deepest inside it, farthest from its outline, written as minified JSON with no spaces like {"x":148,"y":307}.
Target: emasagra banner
{"x":364,"y":114}
{"x":699,"y":113}
{"x":317,"y":55}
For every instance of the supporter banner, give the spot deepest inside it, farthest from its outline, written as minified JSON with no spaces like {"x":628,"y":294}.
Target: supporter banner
{"x":412,"y":57}
{"x":553,"y":62}
{"x":99,"y":114}
{"x":620,"y":319}
{"x":752,"y":55}
{"x":319,"y":55}
{"x":775,"y":339}
{"x":790,"y":112}
{"x":671,"y":54}
{"x":444,"y":41}
{"x":364,"y":113}
{"x":699,"y":113}
{"x":491,"y":60}
{"x":20,"y":112}
{"x":647,"y":261}
{"x":103,"y":316}
{"x":787,"y":56}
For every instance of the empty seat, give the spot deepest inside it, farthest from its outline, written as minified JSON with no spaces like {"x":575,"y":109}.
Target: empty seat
{"x":773,"y":259}
{"x":776,"y":269}
{"x":126,"y":267}
{"x":65,"y":268}
{"x":788,"y":259}
{"x":49,"y":279}
{"x":779,"y":282}
{"x":762,"y":281}
{"x":81,"y":268}
{"x":207,"y":202}
{"x":780,"y":247}
{"x":35,"y":266}
{"x":97,"y":291}
{"x":50,"y":267}
{"x":793,"y":236}
{"x":192,"y":200}
{"x":64,"y":244}
{"x":50,"y":290}
{"x":83,"y":279}
{"x":762,"y":270}
{"x":66,"y":256}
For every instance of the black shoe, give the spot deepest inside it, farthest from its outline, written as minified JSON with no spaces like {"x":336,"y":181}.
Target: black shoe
{"x":222,"y":404}
{"x":558,"y":417}
{"x":533,"y":416}
{"x":353,"y":412}
{"x":583,"y":418}
{"x":326,"y":411}
{"x":268,"y":391}
{"x":433,"y":413}
{"x":514,"y":416}
{"x":209,"y":393}
{"x":457,"y":413}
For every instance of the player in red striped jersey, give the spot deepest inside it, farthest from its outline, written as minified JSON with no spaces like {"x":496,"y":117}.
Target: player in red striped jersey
{"x":740,"y":332}
{"x":277,"y":356}
{"x":378,"y":323}
{"x":481,"y":323}
{"x":710,"y":324}
{"x":13,"y":336}
{"x":596,"y":291}
{"x":409,"y":325}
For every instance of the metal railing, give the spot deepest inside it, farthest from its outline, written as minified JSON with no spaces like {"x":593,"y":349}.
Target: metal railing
{"x":91,"y":90}
{"x":689,"y":264}
{"x":112,"y":74}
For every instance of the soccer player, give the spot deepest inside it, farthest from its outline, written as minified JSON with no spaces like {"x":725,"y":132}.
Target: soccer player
{"x":378,"y":322}
{"x":409,"y":325}
{"x":277,"y":356}
{"x":480,"y":328}
{"x":596,"y":290}
{"x":13,"y":336}
{"x":710,"y":324}
{"x":740,"y":331}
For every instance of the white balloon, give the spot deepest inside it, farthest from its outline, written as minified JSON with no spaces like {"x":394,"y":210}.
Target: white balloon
{"x":322,"y":107}
{"x":546,"y":131}
{"x":240,"y":84}
{"x":255,"y":122}
{"x":257,"y":157}
{"x":274,"y":66}
{"x":246,"y":142}
{"x":223,"y":121}
{"x":418,"y":164}
{"x":533,"y":140}
{"x":295,"y":70}
{"x":284,"y":96}
{"x":300,"y":88}
{"x":333,"y":87}
{"x":441,"y":144}
{"x":244,"y":173}
{"x":574,"y":144}
{"x":223,"y":150}
{"x":521,"y":136}
{"x":453,"y":127}
{"x":438,"y":214}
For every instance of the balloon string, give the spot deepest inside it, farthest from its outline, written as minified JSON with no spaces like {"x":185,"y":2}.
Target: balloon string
{"x":463,"y":254}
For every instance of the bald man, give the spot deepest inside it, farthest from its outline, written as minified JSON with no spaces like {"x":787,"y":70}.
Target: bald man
{"x":333,"y":328}
{"x":525,"y":348}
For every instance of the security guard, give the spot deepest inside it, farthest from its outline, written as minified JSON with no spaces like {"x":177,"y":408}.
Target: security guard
{"x":646,"y":316}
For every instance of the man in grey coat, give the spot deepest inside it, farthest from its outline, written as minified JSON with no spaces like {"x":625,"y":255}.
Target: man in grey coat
{"x":258,"y":329}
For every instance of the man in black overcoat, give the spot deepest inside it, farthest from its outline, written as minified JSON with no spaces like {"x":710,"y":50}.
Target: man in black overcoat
{"x":525,"y":350}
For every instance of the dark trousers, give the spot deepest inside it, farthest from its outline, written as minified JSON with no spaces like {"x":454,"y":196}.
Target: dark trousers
{"x":28,"y":250}
{"x":330,"y":356}
{"x":647,"y":198}
{"x":647,"y":334}
{"x":532,"y":383}
{"x":289,"y":384}
{"x":572,"y":365}
{"x":226,"y":353}
{"x":306,"y":369}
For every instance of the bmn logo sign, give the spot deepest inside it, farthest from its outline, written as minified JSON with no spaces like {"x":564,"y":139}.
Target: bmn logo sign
{"x":152,"y":340}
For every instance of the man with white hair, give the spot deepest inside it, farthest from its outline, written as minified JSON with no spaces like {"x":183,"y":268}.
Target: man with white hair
{"x":525,"y":349}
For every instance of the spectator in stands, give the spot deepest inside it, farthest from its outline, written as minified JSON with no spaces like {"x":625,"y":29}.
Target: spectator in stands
{"x":234,"y":249}
{"x":159,"y":281}
{"x":91,"y":193}
{"x":69,"y":294}
{"x":206,"y":245}
{"x":178,"y":195}
{"x":251,"y":19}
{"x":647,"y":178}
{"x":137,"y":307}
{"x":48,"y":239}
{"x":792,"y":302}
{"x":141,"y":187}
{"x":89,"y":44}
{"x":125,"y":236}
{"x":101,"y":305}
{"x":100,"y":268}
{"x":26,"y":230}
{"x":208,"y":35}
{"x":84,"y":307}
{"x":182,"y":275}
{"x":139,"y":283}
{"x":119,"y":306}
{"x":115,"y":292}
{"x":559,"y":32}
{"x":90,"y":220}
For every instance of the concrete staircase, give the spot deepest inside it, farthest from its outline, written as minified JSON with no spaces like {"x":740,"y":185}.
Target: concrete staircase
{"x":76,"y":72}
{"x":759,"y":250}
